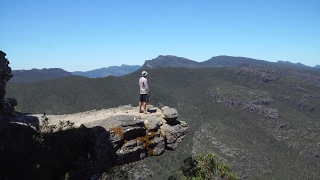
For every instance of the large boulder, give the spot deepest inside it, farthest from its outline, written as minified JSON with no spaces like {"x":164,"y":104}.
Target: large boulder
{"x":174,"y":133}
{"x":129,"y":152}
{"x":152,"y":123}
{"x":169,"y":113}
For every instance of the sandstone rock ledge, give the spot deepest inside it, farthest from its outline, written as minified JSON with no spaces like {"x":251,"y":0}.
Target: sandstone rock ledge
{"x":125,"y":135}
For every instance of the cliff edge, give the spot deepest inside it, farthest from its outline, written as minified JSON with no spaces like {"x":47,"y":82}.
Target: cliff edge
{"x":121,"y":135}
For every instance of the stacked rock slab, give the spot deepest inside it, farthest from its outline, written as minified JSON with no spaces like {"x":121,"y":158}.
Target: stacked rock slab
{"x":120,"y":135}
{"x":132,"y":137}
{"x":6,"y":104}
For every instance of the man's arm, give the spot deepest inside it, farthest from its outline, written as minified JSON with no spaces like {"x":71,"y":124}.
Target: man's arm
{"x":147,"y":86}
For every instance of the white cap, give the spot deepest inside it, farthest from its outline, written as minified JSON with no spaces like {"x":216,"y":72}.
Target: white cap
{"x":144,"y":73}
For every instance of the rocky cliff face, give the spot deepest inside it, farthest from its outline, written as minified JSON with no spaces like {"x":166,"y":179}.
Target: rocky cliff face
{"x":122,"y":135}
{"x":6,"y":104}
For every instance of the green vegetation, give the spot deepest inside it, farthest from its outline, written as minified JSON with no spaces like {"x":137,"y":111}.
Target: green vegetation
{"x":205,"y":167}
{"x":211,"y":100}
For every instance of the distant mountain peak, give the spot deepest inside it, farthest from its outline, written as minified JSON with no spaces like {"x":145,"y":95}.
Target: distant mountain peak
{"x":290,"y":63}
{"x":170,"y":61}
{"x":166,"y":55}
{"x":107,"y":71}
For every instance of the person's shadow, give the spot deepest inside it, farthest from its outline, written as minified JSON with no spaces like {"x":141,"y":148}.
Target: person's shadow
{"x":152,"y":110}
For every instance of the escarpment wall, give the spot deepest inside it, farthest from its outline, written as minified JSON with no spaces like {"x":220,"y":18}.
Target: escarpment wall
{"x":6,"y":104}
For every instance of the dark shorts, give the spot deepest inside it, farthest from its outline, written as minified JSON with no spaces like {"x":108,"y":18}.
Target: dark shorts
{"x":144,"y":97}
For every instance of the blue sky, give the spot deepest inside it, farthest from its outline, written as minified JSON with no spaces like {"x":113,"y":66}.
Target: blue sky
{"x":85,"y":35}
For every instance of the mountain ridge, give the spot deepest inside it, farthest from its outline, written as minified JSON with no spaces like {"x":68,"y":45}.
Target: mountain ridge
{"x":215,"y":61}
{"x":161,"y":61}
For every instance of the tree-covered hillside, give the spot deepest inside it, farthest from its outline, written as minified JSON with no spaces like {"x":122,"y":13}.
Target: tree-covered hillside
{"x":35,"y":75}
{"x":262,"y":120}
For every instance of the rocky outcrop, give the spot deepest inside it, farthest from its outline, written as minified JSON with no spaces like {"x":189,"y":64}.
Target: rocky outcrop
{"x":309,"y":109}
{"x":255,"y":106}
{"x":270,"y":73}
{"x":125,"y":135}
{"x":256,"y":71}
{"x":6,"y":105}
{"x":219,"y":97}
{"x":267,"y":112}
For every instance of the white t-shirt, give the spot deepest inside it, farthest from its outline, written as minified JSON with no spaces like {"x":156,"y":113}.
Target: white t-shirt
{"x":143,"y":83}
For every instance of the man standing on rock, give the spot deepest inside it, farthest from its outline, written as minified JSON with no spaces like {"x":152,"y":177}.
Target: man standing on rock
{"x":144,"y":92}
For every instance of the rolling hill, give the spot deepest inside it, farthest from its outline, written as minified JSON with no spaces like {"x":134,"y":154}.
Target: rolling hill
{"x":107,"y":71}
{"x":263,"y":120}
{"x":35,"y":75}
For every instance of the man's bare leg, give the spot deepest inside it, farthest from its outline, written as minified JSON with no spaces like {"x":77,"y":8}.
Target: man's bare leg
{"x":145,"y":107}
{"x":140,"y":105}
